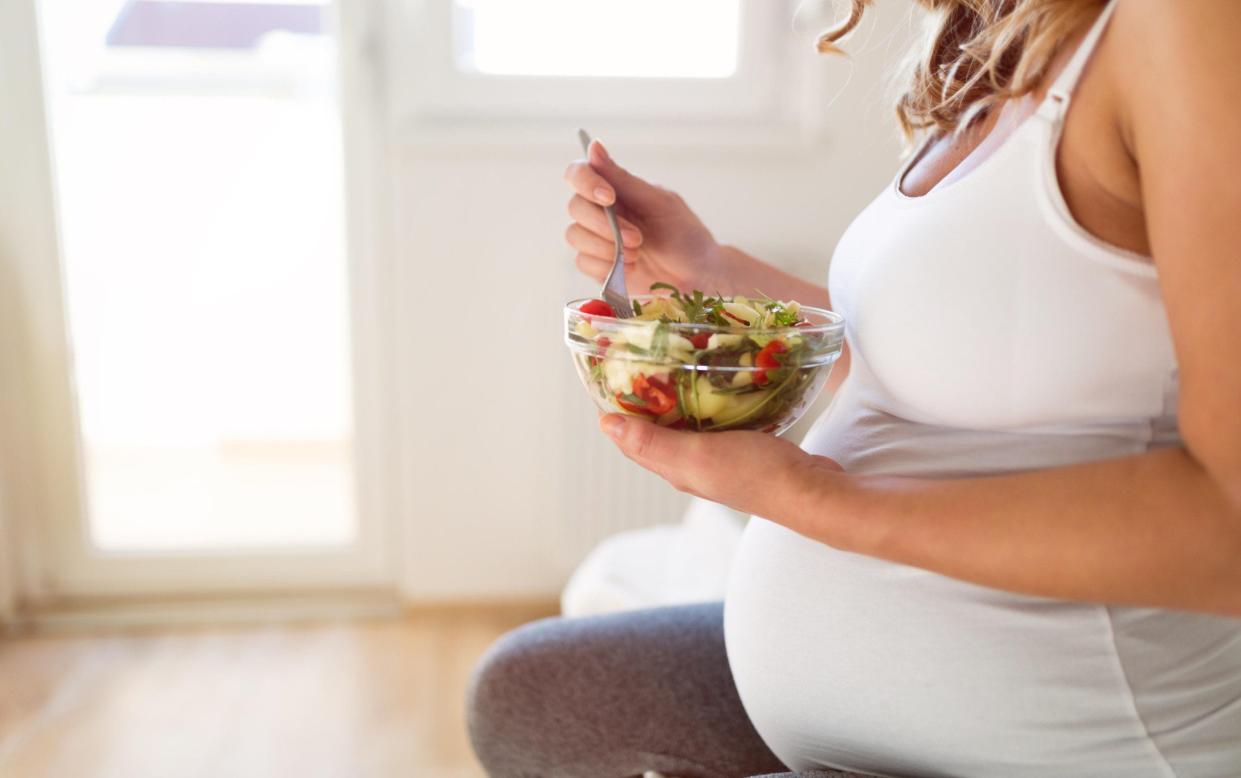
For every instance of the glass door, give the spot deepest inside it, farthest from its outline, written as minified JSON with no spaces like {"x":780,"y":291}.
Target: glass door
{"x":199,"y":177}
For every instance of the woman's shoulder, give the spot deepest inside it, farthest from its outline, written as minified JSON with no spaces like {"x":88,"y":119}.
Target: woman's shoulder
{"x":1163,"y":53}
{"x":1162,"y":73}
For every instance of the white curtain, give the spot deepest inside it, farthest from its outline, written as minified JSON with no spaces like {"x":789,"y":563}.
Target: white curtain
{"x":33,"y":358}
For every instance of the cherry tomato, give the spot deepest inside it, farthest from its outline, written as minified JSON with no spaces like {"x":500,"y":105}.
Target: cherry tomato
{"x":597,"y":308}
{"x":700,"y":340}
{"x":766,"y":360}
{"x":657,"y":395}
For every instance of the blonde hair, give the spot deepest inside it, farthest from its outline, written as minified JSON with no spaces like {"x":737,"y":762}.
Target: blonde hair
{"x":977,"y":54}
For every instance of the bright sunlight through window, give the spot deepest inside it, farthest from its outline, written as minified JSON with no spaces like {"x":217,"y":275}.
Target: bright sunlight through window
{"x":201,"y":198}
{"x":594,"y":38}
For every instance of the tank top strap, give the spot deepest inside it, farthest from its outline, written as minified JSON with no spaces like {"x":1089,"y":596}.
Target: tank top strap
{"x":1061,"y":91}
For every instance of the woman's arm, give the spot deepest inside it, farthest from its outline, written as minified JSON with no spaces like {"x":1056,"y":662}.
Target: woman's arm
{"x":1154,"y":529}
{"x":1183,"y":100}
{"x":1159,"y":529}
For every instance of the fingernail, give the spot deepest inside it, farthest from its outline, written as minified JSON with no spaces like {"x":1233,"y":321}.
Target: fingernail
{"x":631,"y":238}
{"x":603,"y":152}
{"x":612,"y":425}
{"x":604,"y":196}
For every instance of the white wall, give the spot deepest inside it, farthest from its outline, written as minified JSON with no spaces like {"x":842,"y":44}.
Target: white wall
{"x":507,"y":481}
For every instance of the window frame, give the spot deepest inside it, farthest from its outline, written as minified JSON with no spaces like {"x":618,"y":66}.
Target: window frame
{"x":44,"y":491}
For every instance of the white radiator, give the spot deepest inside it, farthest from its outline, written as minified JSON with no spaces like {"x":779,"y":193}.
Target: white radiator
{"x":602,"y":491}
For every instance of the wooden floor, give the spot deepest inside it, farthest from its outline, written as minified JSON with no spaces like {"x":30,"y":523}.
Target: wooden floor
{"x":362,"y":698}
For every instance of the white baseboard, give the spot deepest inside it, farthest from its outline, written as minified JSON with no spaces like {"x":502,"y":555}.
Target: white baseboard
{"x":105,"y":614}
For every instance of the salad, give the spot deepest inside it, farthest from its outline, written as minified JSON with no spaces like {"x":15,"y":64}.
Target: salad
{"x":704,"y":362}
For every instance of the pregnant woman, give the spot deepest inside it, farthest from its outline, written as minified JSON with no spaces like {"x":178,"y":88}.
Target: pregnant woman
{"x":1012,"y":546}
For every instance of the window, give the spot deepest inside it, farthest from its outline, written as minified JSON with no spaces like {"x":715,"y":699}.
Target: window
{"x":205,"y":387}
{"x":200,"y":185}
{"x":678,"y":38}
{"x":580,"y":60}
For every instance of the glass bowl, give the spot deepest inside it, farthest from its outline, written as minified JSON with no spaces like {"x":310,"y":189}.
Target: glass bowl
{"x":703,"y":377}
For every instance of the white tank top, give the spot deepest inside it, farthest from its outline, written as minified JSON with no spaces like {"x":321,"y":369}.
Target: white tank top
{"x":990,"y":333}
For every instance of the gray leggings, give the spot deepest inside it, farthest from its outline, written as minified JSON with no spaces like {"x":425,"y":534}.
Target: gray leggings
{"x":614,"y":696}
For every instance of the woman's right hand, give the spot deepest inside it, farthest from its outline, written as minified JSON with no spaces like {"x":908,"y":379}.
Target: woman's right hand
{"x":663,"y":239}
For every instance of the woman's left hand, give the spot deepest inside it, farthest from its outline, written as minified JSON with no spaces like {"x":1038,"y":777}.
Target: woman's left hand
{"x":752,"y":472}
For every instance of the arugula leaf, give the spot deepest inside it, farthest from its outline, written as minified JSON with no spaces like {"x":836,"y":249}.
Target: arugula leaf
{"x":747,"y":389}
{"x":698,"y":307}
{"x":676,"y":293}
{"x":783,"y":317}
{"x":659,"y":341}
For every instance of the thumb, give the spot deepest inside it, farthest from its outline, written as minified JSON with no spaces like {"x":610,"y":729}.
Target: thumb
{"x":640,"y":439}
{"x":634,"y":192}
{"x":677,"y":457}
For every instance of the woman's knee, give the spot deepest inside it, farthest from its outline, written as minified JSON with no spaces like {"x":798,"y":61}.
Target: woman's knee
{"x":611,"y":695}
{"x":517,"y":701}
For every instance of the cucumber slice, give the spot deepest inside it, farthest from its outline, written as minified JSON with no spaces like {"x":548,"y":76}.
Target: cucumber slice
{"x":704,"y":402}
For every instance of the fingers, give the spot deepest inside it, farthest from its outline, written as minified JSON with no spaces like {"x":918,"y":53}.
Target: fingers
{"x":639,"y":441}
{"x":749,"y":471}
{"x":589,"y":184}
{"x":591,"y":216}
{"x":598,"y":179}
{"x":586,"y":242}
{"x":629,"y":187}
{"x":675,"y":456}
{"x":598,"y":267}
{"x":594,"y":267}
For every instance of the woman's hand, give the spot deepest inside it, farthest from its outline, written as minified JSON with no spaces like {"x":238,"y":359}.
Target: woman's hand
{"x":663,"y":239}
{"x":752,"y":472}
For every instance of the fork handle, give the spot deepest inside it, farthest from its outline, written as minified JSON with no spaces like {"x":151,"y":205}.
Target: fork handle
{"x":614,"y":290}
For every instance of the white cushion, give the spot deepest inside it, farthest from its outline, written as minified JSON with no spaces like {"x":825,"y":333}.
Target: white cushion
{"x":670,"y":564}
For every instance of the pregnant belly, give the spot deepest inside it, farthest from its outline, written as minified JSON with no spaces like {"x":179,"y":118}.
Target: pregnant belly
{"x":851,"y":662}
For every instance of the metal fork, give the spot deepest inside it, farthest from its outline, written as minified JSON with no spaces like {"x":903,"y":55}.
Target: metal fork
{"x":614,"y":292}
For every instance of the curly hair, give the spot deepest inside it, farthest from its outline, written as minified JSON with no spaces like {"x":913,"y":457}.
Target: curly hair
{"x":977,"y":54}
